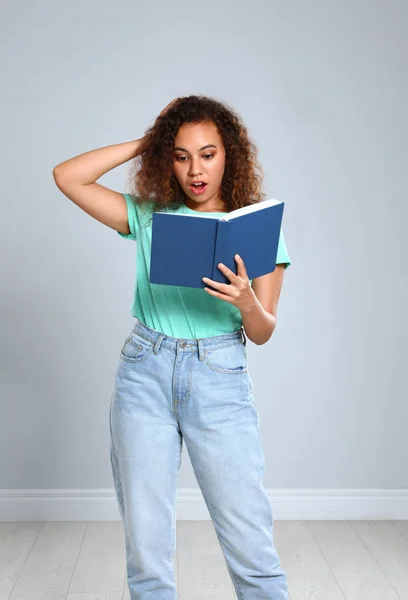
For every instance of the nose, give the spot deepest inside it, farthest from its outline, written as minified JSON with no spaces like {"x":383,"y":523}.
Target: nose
{"x":194,"y":168}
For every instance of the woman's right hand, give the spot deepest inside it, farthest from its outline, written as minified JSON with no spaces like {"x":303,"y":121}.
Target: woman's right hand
{"x":163,"y":112}
{"x":145,"y":138}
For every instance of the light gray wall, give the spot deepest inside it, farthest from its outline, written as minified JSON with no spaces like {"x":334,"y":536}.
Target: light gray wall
{"x":322,"y":87}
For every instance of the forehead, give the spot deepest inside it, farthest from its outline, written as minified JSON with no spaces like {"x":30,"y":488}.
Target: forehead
{"x":196,"y":135}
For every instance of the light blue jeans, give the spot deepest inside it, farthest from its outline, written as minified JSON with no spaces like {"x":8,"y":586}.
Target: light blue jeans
{"x":167,"y":389}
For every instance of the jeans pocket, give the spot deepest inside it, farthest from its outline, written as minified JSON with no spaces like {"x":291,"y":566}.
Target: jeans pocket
{"x":230,"y":359}
{"x":135,"y":349}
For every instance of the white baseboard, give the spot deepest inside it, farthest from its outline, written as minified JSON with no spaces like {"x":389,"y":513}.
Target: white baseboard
{"x":291,"y":504}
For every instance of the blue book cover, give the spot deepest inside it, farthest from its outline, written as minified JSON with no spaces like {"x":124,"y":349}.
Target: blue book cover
{"x":186,"y":248}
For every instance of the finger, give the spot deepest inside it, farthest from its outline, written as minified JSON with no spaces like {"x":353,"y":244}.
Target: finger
{"x":219,"y":295}
{"x":227,"y":272}
{"x":222,"y":287}
{"x":242,"y":272}
{"x":167,"y":108}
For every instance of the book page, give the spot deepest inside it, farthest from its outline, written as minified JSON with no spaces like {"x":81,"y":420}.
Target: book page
{"x":162,"y":212}
{"x":249,"y":209}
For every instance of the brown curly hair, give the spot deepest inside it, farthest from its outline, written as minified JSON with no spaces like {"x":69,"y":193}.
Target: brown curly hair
{"x":153,"y":178}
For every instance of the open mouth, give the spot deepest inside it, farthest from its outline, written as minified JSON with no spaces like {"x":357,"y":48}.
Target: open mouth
{"x":198,"y":188}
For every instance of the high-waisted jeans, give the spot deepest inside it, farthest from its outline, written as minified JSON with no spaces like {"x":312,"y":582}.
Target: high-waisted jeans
{"x":167,"y":389}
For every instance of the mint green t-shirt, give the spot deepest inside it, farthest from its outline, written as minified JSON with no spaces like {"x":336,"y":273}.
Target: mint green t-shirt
{"x":179,"y":312}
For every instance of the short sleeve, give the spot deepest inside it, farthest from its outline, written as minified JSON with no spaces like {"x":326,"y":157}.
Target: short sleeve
{"x":133,"y":218}
{"x":282,"y":255}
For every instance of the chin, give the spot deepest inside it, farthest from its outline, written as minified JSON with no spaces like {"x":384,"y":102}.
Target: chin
{"x":197,"y":199}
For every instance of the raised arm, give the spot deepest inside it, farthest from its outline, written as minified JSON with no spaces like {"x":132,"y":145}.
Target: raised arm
{"x":77,"y":176}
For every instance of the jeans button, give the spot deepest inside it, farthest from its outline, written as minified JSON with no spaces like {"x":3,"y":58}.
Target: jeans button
{"x":183,"y":344}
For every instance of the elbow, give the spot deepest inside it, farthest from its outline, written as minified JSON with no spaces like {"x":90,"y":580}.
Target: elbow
{"x":56,"y":172}
{"x":61,"y":178}
{"x":261,"y":341}
{"x":269,"y":333}
{"x":61,"y":170}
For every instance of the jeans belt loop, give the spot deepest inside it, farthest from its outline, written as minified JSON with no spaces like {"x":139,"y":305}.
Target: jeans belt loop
{"x":157,"y":343}
{"x":200,"y":349}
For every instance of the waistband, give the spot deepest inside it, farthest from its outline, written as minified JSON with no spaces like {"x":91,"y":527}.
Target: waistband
{"x":187,"y":344}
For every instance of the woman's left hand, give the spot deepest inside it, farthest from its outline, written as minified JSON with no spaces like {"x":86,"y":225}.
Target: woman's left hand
{"x":239,"y":292}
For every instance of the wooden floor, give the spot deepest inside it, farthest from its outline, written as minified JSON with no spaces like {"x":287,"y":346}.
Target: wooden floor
{"x":324,"y":560}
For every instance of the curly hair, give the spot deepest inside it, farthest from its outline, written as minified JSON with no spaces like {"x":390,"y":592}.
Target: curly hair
{"x":153,"y":178}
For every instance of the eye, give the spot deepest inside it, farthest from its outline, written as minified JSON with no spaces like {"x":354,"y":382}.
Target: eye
{"x":181,"y":158}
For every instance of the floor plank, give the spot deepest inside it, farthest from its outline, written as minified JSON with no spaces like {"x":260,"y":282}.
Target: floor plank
{"x":354,"y":568}
{"x":389,"y":548}
{"x":309,"y":574}
{"x":49,"y":566}
{"x":16,"y":542}
{"x":324,"y":560}
{"x":101,"y":562}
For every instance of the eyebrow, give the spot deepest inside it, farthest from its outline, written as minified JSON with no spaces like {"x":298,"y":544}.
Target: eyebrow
{"x":203,"y":148}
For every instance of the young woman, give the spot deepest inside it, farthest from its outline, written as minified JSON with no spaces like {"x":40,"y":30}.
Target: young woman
{"x":182,"y":371}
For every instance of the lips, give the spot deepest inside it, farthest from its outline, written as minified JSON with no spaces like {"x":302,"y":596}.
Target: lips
{"x":198,"y":188}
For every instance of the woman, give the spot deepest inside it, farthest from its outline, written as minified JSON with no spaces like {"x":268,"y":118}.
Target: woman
{"x":183,"y":371}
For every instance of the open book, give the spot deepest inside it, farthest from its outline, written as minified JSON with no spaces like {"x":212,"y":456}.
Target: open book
{"x":186,"y":248}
